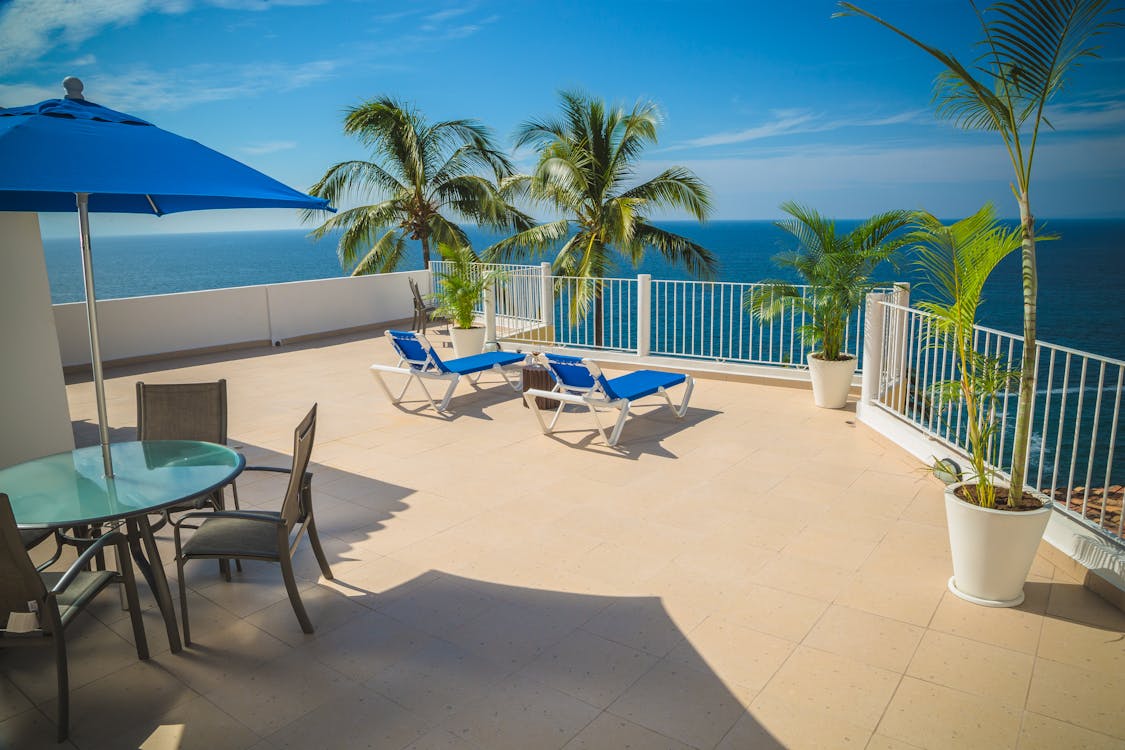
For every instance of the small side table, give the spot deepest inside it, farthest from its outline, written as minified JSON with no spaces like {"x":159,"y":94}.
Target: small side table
{"x":539,"y":377}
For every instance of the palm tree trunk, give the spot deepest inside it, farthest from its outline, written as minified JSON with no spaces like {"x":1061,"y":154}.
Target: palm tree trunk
{"x":425,"y":251}
{"x":1027,"y":365}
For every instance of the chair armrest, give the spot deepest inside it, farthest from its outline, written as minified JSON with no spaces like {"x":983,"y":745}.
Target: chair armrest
{"x":278,"y":470}
{"x":114,"y":537}
{"x":243,"y":515}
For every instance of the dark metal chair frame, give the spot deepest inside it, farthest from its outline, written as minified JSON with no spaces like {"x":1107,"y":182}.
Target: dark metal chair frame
{"x":423,"y":310}
{"x":215,"y":531}
{"x":171,"y":411}
{"x":21,"y":582}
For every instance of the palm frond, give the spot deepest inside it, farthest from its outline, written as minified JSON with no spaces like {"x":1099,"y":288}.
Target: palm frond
{"x":391,"y":129}
{"x":677,"y":250}
{"x":359,"y":226}
{"x":385,"y":255}
{"x":533,"y":241}
{"x":675,"y":187}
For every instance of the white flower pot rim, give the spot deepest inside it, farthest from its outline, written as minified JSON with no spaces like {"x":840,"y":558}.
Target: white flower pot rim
{"x":845,"y":357}
{"x":953,"y":487}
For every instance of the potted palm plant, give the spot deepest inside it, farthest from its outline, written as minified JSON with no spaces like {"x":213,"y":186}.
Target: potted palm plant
{"x":993,"y":532}
{"x":462,"y":283}
{"x":838,"y":270}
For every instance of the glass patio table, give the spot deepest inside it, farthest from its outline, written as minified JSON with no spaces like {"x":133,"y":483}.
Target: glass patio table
{"x":71,"y":489}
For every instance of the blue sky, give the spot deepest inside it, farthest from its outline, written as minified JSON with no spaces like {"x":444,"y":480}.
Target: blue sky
{"x":767,"y":102}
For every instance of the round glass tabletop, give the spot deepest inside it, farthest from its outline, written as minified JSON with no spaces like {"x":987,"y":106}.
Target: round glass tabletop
{"x":71,"y":488}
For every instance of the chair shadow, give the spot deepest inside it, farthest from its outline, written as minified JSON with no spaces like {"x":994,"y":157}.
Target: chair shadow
{"x":642,"y":435}
{"x":470,"y":405}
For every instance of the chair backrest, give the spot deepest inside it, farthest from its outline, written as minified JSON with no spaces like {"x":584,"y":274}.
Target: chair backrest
{"x":415,"y":292}
{"x":293,"y":507}
{"x":415,"y":349}
{"x":19,"y":580}
{"x":182,"y":411}
{"x":578,"y":375}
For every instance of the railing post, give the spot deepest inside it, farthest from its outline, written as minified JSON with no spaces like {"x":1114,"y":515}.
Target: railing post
{"x":490,"y":342}
{"x":644,"y":315}
{"x":872,"y":349}
{"x":547,"y":301}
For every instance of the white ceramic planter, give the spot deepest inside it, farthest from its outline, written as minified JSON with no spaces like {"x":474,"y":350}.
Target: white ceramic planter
{"x":467,"y":341}
{"x":992,"y":550}
{"x":831,"y":380}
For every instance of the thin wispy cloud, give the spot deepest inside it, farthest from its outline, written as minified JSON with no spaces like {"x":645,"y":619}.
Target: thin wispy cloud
{"x":905,"y":174}
{"x":31,"y":28}
{"x":792,"y":122}
{"x":784,"y":122}
{"x":143,"y":89}
{"x":445,"y":15}
{"x":269,"y":147}
{"x":17,"y":95}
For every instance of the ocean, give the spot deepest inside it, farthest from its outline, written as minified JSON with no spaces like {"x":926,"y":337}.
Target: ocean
{"x":1082,"y":274}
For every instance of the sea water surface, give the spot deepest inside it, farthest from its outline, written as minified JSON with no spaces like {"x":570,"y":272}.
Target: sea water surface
{"x":1081,"y":275}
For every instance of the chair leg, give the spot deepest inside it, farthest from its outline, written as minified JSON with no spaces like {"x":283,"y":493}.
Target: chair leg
{"x":183,"y":598}
{"x":294,"y":594}
{"x":64,"y":686}
{"x":620,"y":424}
{"x":448,"y":394}
{"x":237,"y":506}
{"x":314,"y":540}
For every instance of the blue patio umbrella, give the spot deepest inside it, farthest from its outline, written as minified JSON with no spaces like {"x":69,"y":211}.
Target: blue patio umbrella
{"x":73,"y":155}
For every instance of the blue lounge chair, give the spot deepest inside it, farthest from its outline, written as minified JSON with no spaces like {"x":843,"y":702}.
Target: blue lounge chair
{"x":423,"y":363}
{"x":580,"y":381}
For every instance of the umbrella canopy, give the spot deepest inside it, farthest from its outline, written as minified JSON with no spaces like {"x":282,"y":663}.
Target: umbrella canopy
{"x":60,"y":147}
{"x":73,"y":155}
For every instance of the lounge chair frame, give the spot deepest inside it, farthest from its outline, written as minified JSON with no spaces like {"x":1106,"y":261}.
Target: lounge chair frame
{"x":431,"y":367}
{"x":596,"y":398}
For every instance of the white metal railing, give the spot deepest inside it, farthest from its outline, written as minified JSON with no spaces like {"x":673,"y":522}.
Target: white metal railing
{"x":702,"y":320}
{"x":706,"y":320}
{"x":1076,"y":458}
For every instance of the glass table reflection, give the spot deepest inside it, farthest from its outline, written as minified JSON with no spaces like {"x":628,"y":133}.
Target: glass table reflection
{"x":71,"y":489}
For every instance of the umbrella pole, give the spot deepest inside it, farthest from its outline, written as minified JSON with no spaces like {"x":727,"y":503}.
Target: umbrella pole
{"x":92,"y":320}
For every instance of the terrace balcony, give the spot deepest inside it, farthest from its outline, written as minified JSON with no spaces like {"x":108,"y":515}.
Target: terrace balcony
{"x":761,"y":574}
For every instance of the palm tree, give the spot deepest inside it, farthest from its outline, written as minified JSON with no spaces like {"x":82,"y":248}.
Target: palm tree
{"x":1028,"y":48}
{"x":837,"y":267}
{"x":587,"y":157}
{"x":422,"y":175}
{"x":955,"y":262}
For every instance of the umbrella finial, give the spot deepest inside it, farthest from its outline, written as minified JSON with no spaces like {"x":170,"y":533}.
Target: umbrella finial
{"x":73,"y":88}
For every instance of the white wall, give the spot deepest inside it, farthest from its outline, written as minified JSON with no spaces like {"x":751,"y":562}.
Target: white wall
{"x":305,"y":307}
{"x":34,"y":417}
{"x":167,"y":323}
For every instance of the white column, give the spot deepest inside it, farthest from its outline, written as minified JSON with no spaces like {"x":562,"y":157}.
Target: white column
{"x":872,"y":347}
{"x":33,"y":407}
{"x":546,"y":295}
{"x":490,"y":342}
{"x":644,"y":313}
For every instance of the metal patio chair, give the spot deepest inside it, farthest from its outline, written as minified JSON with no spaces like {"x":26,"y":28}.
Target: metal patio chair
{"x":259,"y":535}
{"x":422,"y":309}
{"x":58,"y":597}
{"x":185,"y":411}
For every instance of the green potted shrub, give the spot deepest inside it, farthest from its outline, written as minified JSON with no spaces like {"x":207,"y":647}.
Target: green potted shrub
{"x":993,"y":533}
{"x":838,"y":269}
{"x":461,"y":285}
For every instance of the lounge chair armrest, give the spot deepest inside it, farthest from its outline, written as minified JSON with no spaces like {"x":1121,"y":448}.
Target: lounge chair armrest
{"x":113,"y":537}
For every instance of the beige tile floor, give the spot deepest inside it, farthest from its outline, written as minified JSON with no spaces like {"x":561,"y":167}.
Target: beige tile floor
{"x":762,"y":574}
